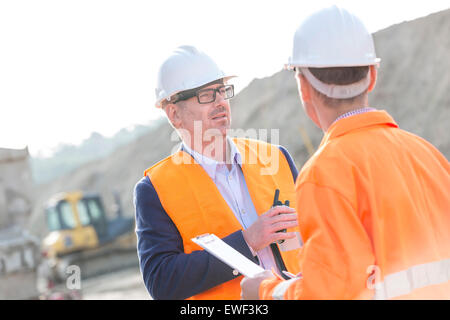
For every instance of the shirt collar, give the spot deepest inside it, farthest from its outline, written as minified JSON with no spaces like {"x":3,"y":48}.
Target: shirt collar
{"x":210,"y":165}
{"x":354,"y":112}
{"x":367,"y":119}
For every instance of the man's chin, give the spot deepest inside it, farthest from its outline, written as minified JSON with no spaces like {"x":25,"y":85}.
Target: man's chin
{"x":216,"y":133}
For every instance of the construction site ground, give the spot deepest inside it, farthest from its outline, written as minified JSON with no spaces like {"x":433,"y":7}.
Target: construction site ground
{"x":121,"y":285}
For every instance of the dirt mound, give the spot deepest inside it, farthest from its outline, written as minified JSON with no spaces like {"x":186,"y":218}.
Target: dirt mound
{"x":413,"y":86}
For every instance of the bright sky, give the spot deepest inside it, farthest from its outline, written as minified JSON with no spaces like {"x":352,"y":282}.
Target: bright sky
{"x":68,"y":68}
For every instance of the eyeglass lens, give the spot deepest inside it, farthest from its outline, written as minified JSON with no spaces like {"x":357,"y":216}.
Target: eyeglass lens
{"x":209,"y":95}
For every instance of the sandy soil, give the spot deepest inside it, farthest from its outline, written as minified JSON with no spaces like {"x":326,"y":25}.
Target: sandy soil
{"x":122,"y":285}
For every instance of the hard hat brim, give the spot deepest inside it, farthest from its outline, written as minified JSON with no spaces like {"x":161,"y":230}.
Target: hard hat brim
{"x":291,"y":66}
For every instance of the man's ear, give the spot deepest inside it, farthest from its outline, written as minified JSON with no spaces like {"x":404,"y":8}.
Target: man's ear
{"x":173,"y":113}
{"x":373,"y":78}
{"x":304,"y":87}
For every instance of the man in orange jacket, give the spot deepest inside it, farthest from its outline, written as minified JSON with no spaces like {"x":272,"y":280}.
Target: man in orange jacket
{"x":373,"y":202}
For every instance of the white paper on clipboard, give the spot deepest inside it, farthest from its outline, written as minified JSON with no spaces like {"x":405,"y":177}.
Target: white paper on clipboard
{"x":228,"y":255}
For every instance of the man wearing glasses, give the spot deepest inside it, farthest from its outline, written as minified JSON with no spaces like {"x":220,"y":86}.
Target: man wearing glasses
{"x":213,"y":184}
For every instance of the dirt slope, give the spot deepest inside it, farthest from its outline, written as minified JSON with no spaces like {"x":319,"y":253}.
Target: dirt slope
{"x":413,"y":86}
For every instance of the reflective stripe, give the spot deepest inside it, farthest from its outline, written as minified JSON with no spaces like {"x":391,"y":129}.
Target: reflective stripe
{"x":406,"y":281}
{"x":278,"y":292}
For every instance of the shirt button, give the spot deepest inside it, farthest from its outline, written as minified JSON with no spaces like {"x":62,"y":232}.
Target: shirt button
{"x":243,"y":211}
{"x":235,"y":272}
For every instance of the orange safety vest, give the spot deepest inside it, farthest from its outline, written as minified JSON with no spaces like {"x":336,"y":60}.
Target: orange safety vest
{"x":195,"y":205}
{"x":374,"y":212}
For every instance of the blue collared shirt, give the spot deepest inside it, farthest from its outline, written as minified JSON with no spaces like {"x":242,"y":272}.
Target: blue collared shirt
{"x":352,"y":113}
{"x":233,"y":188}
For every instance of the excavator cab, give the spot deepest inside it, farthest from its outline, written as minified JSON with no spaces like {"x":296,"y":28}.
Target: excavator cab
{"x":78,"y":222}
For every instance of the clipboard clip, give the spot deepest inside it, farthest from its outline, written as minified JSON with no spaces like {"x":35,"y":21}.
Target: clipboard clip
{"x":205,"y":235}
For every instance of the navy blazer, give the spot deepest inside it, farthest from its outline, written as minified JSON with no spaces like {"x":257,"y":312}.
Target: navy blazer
{"x":167,"y":271}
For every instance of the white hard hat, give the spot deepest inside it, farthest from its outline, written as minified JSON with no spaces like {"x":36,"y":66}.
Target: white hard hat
{"x":186,"y":68}
{"x":332,"y":37}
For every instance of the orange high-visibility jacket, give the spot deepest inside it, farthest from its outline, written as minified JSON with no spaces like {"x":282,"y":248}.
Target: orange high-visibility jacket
{"x":373,"y":207}
{"x":181,"y":182}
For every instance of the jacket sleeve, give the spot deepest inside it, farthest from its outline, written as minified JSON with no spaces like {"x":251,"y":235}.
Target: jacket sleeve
{"x":167,"y":271}
{"x":337,"y":252}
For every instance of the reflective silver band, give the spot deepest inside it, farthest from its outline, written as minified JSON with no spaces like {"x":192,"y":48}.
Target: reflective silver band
{"x":406,"y":281}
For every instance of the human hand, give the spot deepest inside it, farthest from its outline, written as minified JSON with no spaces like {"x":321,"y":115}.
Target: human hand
{"x":263,"y":231}
{"x":250,"y":286}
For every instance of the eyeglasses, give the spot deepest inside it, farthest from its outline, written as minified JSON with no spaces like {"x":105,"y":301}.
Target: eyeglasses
{"x":206,"y":95}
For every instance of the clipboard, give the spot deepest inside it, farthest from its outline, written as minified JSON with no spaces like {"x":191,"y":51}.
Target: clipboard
{"x":222,"y":251}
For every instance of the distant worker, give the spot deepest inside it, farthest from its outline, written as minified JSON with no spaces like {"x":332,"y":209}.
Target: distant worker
{"x":373,"y":202}
{"x":213,"y":184}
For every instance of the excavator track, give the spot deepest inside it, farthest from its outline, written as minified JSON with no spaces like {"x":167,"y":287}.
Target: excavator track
{"x":106,"y":262}
{"x":92,"y":264}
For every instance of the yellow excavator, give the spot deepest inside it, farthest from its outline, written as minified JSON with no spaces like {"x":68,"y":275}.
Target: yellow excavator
{"x":81,"y":234}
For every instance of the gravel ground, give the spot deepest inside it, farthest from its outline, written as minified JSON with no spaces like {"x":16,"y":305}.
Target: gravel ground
{"x":122,"y":285}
